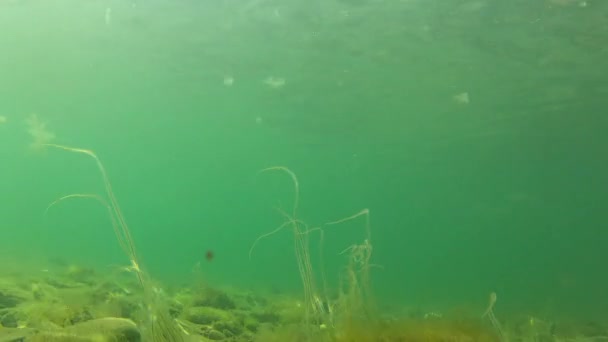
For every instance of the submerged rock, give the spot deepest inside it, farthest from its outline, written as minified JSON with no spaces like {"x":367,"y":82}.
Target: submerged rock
{"x":214,"y":298}
{"x":11,"y":296}
{"x":96,"y":330}
{"x":14,"y":335}
{"x":120,"y":329}
{"x":61,"y":336}
{"x":207,"y":315}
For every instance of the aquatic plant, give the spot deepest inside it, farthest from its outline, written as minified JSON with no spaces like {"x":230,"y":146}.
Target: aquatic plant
{"x":495,"y":323}
{"x":319,"y":308}
{"x":123,"y":234}
{"x":38,"y":131}
{"x":160,"y":325}
{"x":415,"y":330}
{"x":355,"y":300}
{"x":301,"y":247}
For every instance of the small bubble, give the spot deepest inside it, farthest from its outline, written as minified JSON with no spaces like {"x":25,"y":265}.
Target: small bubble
{"x":228,"y":81}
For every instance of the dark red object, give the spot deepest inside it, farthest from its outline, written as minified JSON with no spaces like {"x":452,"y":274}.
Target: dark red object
{"x":209,"y":255}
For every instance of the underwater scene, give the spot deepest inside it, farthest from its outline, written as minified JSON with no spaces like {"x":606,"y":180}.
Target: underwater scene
{"x":304,"y":170}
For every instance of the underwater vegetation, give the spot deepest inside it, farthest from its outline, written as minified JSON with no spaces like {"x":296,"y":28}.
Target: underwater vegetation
{"x":355,"y":296}
{"x":76,"y":303}
{"x":37,"y":129}
{"x":160,"y":326}
{"x":71,"y":302}
{"x":352,"y":315}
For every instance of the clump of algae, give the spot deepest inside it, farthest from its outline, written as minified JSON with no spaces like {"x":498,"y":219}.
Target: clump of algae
{"x":160,"y":326}
{"x":355,"y":300}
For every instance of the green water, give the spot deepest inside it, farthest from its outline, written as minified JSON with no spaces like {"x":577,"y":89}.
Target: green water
{"x":505,"y":192}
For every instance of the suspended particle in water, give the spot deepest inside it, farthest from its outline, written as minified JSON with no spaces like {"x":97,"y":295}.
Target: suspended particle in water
{"x":2,"y":119}
{"x":108,"y":16}
{"x":462,"y":98}
{"x":228,"y":81}
{"x":275,"y":82}
{"x":209,"y":255}
{"x":38,"y":131}
{"x":565,"y":2}
{"x":259,"y":120}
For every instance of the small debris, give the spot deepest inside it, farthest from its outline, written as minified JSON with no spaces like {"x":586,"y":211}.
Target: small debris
{"x":462,"y":98}
{"x":108,"y":16}
{"x":275,"y":82}
{"x":228,"y":81}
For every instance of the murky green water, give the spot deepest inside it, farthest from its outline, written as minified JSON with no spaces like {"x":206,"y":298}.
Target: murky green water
{"x":474,"y":131}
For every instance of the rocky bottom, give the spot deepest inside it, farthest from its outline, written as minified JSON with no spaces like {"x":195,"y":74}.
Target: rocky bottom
{"x":77,"y":304}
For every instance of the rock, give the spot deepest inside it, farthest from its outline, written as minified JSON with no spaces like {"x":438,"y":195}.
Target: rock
{"x":214,"y":298}
{"x":266,"y":317}
{"x":79,"y":274}
{"x":229,"y":327}
{"x":103,"y":329}
{"x":9,"y":319}
{"x":14,"y":334}
{"x":253,"y":300}
{"x":214,"y":335}
{"x":10,"y":296}
{"x":251,"y":324}
{"x":60,"y":336}
{"x":207,"y":315}
{"x":121,"y":329}
{"x":79,"y":315}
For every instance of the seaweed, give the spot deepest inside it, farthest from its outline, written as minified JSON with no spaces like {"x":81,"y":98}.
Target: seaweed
{"x":160,"y":325}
